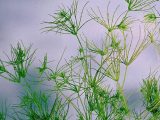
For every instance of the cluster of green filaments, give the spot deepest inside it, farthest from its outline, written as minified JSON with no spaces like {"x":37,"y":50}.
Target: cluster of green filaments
{"x":151,"y":93}
{"x":139,"y":5}
{"x":19,"y":62}
{"x":82,"y":83}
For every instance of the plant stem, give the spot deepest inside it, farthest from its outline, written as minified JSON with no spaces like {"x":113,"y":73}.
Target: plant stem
{"x":124,"y":99}
{"x":82,"y":104}
{"x":86,"y":64}
{"x":125,"y":76}
{"x":79,"y":42}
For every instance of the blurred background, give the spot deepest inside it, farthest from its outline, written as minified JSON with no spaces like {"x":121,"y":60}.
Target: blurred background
{"x":21,"y":20}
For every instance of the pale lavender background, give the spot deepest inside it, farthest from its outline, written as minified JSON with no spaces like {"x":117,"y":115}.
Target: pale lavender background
{"x":20,"y":20}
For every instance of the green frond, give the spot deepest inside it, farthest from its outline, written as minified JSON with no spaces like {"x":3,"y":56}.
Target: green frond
{"x":44,"y":65}
{"x":150,"y":17}
{"x":140,"y":5}
{"x":110,"y":23}
{"x":20,"y":60}
{"x":66,"y":20}
{"x":151,"y":94}
{"x":125,"y":23}
{"x":113,"y":69}
{"x":2,"y":67}
{"x":37,"y":105}
{"x":129,"y":57}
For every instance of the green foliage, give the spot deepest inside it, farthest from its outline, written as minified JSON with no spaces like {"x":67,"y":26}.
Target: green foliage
{"x":36,"y":105}
{"x":65,"y":20}
{"x":81,"y":83}
{"x":2,"y":68}
{"x":106,"y":105}
{"x":3,"y":112}
{"x":125,"y":23}
{"x":118,"y":106}
{"x":19,"y":62}
{"x":113,"y":70}
{"x":151,"y":17}
{"x":44,"y":65}
{"x":139,"y":5}
{"x":151,"y":93}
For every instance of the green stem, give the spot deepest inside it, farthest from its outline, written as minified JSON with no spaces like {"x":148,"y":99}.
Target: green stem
{"x":79,"y":43}
{"x":126,"y":14}
{"x":125,"y":76}
{"x":70,"y":101}
{"x":124,"y":99}
{"x":82,"y":104}
{"x":86,"y":64}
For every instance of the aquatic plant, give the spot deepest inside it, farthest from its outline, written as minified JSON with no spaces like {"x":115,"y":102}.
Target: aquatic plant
{"x":81,"y":84}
